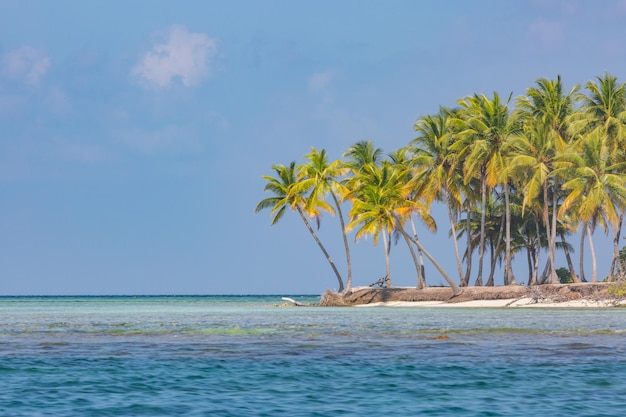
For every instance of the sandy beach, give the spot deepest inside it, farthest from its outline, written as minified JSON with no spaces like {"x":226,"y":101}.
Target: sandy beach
{"x":524,"y":303}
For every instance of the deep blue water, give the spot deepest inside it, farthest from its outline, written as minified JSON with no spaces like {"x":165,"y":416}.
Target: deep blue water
{"x":251,"y":356}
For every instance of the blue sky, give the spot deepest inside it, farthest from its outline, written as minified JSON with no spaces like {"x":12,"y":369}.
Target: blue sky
{"x":133,"y":135}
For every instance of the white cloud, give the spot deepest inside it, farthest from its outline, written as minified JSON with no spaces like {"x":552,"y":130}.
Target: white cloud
{"x":27,"y":64}
{"x":182,"y":55}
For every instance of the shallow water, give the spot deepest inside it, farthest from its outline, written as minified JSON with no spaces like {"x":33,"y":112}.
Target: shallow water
{"x":249,"y":356}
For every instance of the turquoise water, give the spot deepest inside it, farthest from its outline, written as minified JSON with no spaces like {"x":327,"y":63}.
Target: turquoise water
{"x":250,"y":356}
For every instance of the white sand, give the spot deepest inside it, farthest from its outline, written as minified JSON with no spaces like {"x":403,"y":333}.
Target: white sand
{"x":523,"y":302}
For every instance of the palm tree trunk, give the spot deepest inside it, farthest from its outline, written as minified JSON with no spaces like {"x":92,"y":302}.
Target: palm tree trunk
{"x":419,"y":253}
{"x":553,"y":277}
{"x":387,"y":246}
{"x":494,"y":260}
{"x":616,"y":265}
{"x":483,"y":192}
{"x":456,"y":290}
{"x":570,"y":264}
{"x":345,"y":241}
{"x":533,"y":280}
{"x":468,"y":250}
{"x":492,"y":269}
{"x":594,"y":275}
{"x":319,"y":243}
{"x":582,"y":251}
{"x":543,"y":279}
{"x":459,"y":265}
{"x":551,"y":250}
{"x":509,"y":277}
{"x":620,"y":265}
{"x":529,"y":260}
{"x":421,"y":283}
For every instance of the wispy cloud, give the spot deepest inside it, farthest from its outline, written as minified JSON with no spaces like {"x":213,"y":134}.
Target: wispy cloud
{"x":182,"y":54}
{"x":27,"y":64}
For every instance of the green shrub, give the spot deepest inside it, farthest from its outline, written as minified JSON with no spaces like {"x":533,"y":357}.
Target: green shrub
{"x":564,"y":276}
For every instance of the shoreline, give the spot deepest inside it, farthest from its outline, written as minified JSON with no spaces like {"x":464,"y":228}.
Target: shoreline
{"x":579,"y":295}
{"x":502,"y":303}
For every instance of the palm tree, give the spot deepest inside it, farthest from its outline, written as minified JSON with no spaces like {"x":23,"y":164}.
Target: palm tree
{"x":437,"y":176}
{"x":400,"y":160}
{"x":604,"y":112}
{"x":289,"y":193}
{"x":597,"y":189}
{"x":360,"y":158}
{"x":362,"y":154}
{"x":485,"y":127}
{"x":381,"y":196}
{"x":546,"y":112}
{"x":382,"y":206}
{"x":325,"y":181}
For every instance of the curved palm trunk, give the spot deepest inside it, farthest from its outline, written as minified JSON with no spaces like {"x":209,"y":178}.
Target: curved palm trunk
{"x":594,"y":275}
{"x":345,"y":241}
{"x":387,"y":247}
{"x":481,"y":249}
{"x":456,"y":290}
{"x":459,"y":265}
{"x":616,"y":265}
{"x":570,"y":264}
{"x":551,"y":251}
{"x":419,"y":253}
{"x":494,"y":260}
{"x":421,"y":283}
{"x":620,"y":264}
{"x":319,"y":243}
{"x":509,"y":277}
{"x":469,"y":249}
{"x":582,"y":251}
{"x":553,"y":278}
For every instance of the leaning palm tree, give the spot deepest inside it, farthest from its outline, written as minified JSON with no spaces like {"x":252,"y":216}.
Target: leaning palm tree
{"x":289,"y":193}
{"x":326,"y":177}
{"x":383,"y":206}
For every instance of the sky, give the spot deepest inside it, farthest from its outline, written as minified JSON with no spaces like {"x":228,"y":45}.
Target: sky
{"x":134,"y":134}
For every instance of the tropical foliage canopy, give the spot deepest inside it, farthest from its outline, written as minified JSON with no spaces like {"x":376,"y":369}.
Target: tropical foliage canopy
{"x":514,"y":175}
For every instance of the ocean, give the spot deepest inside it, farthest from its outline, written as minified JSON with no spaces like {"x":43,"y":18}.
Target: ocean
{"x":254,"y":356}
